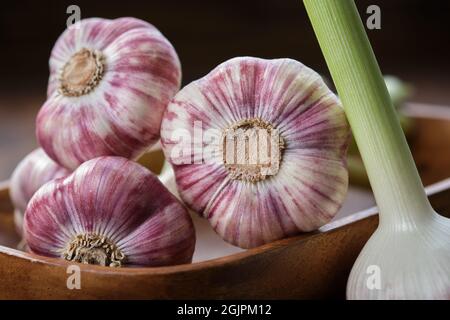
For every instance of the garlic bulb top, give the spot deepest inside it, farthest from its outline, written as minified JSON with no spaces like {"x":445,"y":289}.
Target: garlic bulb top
{"x":112,"y":212}
{"x":31,"y":173}
{"x":110,"y":82}
{"x":258,"y":148}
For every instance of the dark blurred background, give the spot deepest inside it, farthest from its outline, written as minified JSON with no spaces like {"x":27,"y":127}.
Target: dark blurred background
{"x":412,"y":44}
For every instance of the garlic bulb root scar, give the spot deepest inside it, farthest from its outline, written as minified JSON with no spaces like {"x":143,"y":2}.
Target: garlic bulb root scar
{"x":94,"y":249}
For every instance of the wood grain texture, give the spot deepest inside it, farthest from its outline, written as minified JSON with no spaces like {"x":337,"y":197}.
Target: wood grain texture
{"x":431,"y":141}
{"x":309,"y":266}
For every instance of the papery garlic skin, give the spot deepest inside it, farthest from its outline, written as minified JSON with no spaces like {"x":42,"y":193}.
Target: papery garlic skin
{"x":209,"y":244}
{"x":31,"y":173}
{"x":115,"y":199}
{"x":167,"y":178}
{"x":409,"y":261}
{"x":110,"y":82}
{"x":311,"y":181}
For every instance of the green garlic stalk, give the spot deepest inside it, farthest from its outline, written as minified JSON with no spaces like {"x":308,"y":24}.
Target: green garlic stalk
{"x":408,"y":257}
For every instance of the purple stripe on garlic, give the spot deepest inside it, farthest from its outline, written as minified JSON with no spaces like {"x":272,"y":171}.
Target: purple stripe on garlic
{"x":113,"y":212}
{"x":110,"y":82}
{"x":246,"y":202}
{"x":31,"y":173}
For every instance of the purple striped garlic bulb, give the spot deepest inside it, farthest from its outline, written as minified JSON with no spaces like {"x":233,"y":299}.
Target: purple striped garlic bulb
{"x":110,"y":212}
{"x":110,"y":82}
{"x":31,"y":173}
{"x":259,"y":149}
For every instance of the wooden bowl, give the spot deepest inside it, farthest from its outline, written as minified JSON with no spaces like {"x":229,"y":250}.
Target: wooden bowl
{"x":313,"y":265}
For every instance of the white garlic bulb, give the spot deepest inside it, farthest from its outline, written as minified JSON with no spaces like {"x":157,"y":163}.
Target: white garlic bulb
{"x":404,"y":259}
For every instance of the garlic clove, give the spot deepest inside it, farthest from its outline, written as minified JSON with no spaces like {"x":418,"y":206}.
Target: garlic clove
{"x":307,"y":180}
{"x":31,"y":173}
{"x":197,"y":186}
{"x":110,"y":82}
{"x":300,"y":199}
{"x":115,"y":207}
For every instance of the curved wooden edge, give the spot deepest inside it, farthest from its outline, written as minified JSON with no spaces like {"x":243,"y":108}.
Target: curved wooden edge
{"x":218,"y":262}
{"x":421,"y":110}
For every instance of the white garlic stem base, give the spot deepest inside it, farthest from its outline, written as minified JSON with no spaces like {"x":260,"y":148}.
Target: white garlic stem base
{"x":412,"y":262}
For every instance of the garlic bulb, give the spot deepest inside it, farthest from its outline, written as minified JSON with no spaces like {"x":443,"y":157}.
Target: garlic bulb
{"x":111,"y":212}
{"x":404,"y":259}
{"x":31,"y":173}
{"x":258,"y":148}
{"x":110,"y":82}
